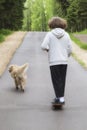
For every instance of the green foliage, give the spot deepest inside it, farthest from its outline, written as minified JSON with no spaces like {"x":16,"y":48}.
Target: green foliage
{"x":77,"y":15}
{"x":38,"y":17}
{"x":4,"y":33}
{"x":49,"y":7}
{"x":83,"y":13}
{"x":11,"y":14}
{"x":82,"y":32}
{"x":79,"y":60}
{"x":72,"y":16}
{"x":63,"y":4}
{"x":37,"y":14}
{"x":57,"y":11}
{"x":2,"y":38}
{"x":27,"y":15}
{"x":75,"y":11}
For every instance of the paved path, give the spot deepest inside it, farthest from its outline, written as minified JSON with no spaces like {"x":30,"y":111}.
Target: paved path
{"x":31,"y":110}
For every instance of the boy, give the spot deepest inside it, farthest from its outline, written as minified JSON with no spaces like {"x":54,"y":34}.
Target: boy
{"x":57,"y":43}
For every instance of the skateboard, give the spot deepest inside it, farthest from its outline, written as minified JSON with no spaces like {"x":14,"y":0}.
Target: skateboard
{"x":57,"y":106}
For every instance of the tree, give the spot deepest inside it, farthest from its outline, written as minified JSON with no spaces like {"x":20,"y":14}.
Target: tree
{"x":82,"y":13}
{"x":38,"y":13}
{"x":27,"y":15}
{"x":72,"y":15}
{"x":64,"y":4}
{"x":48,"y":9}
{"x":11,"y":15}
{"x":1,"y":13}
{"x":38,"y":16}
{"x":77,"y":15}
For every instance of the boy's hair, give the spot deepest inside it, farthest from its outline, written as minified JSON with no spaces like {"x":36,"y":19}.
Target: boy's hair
{"x":57,"y":22}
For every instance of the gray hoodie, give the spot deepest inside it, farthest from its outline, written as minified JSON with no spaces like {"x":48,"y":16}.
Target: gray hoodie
{"x":58,"y":32}
{"x":58,"y":44}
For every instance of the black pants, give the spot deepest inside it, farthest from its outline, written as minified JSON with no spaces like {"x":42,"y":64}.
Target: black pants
{"x":58,"y":75}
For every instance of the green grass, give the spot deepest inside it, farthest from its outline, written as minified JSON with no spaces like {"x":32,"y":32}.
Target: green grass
{"x":4,"y":33}
{"x":2,"y":38}
{"x":82,"y":32}
{"x":77,"y":41}
{"x":79,"y":61}
{"x":81,"y":45}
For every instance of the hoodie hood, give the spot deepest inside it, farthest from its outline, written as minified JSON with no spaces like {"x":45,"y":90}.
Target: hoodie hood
{"x":58,"y":32}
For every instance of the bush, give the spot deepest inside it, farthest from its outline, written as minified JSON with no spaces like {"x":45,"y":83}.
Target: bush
{"x":2,"y":38}
{"x":5,"y":32}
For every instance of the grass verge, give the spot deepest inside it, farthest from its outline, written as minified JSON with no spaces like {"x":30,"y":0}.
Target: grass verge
{"x":78,"y":42}
{"x":82,"y":32}
{"x":2,"y":38}
{"x":4,"y":33}
{"x":79,"y":61}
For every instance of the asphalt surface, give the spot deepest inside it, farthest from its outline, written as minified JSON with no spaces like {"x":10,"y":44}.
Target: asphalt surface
{"x":32,"y":109}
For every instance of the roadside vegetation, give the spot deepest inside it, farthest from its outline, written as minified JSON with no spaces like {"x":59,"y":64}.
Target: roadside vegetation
{"x":4,"y":33}
{"x":82,"y":32}
{"x":80,"y":61}
{"x":33,"y":15}
{"x":81,"y":44}
{"x":38,"y":12}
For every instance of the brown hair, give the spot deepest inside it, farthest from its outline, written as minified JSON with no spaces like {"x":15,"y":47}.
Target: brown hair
{"x":57,"y":22}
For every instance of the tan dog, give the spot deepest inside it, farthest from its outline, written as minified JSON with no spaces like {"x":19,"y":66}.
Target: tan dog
{"x":18,"y":73}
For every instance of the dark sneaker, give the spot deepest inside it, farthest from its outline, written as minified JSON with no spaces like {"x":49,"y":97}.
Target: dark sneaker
{"x":57,"y":101}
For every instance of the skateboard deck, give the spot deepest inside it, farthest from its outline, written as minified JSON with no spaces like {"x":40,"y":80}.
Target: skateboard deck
{"x":57,"y":106}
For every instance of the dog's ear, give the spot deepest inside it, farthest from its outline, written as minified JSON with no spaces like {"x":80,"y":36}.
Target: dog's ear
{"x":10,"y":68}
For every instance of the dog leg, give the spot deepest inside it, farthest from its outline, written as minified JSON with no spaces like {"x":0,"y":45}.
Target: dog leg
{"x":22,"y":88}
{"x":16,"y":84}
{"x":22,"y":84}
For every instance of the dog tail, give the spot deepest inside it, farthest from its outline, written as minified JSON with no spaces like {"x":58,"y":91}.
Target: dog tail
{"x":24,"y":67}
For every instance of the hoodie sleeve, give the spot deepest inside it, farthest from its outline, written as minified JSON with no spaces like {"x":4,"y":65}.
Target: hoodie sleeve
{"x":45,"y":43}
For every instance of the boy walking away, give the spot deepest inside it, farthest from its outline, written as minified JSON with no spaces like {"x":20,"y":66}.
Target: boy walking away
{"x":57,"y":43}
